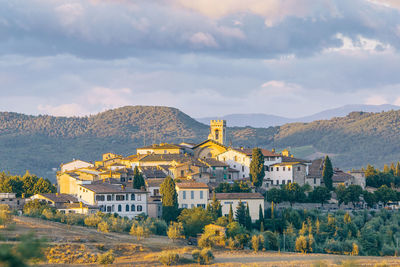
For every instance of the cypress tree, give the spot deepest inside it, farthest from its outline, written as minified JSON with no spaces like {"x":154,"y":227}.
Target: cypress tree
{"x":386,"y":168}
{"x":216,"y":208}
{"x":138,"y":180}
{"x":397,"y":172}
{"x":392,"y":168}
{"x":169,"y":199}
{"x":241,"y":213}
{"x":248,"y":218}
{"x":260,"y":216}
{"x":257,"y":171}
{"x":327,"y":173}
{"x":230,"y":215}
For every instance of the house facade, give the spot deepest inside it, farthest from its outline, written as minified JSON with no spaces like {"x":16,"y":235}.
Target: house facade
{"x":254,"y":200}
{"x":192,"y":194}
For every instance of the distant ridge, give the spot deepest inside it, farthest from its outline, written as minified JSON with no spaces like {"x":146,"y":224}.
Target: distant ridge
{"x":266,"y":120}
{"x":41,"y":143}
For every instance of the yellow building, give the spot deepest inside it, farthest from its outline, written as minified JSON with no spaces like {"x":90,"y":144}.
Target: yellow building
{"x":209,"y":149}
{"x":218,"y":131}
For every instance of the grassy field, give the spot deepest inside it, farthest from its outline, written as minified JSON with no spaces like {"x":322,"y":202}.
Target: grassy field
{"x":76,"y":246}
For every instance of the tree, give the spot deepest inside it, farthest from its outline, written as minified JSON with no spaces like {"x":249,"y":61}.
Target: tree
{"x":302,"y":244}
{"x":370,"y":171}
{"x":274,"y":195}
{"x":369,"y":198}
{"x":341,"y":195}
{"x":194,"y":220}
{"x":385,"y":194}
{"x":392,"y":169}
{"x":216,"y":208}
{"x":230,"y":215}
{"x":140,"y":231}
{"x":327,"y":173}
{"x":353,"y":193}
{"x":169,"y":199}
{"x":257,"y":171}
{"x":397,"y":172}
{"x":320,"y":194}
{"x":293,"y":193}
{"x":175,"y":231}
{"x":386,"y":168}
{"x":138,"y":180}
{"x":260,"y":217}
{"x":241,"y":213}
{"x":248,"y":218}
{"x":43,"y":186}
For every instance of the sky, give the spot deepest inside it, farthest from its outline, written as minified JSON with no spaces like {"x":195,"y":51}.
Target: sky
{"x":208,"y":58}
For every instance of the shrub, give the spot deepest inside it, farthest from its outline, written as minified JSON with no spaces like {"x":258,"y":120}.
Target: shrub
{"x":48,"y":214}
{"x":175,"y":231}
{"x":103,"y":227}
{"x":92,"y":220}
{"x":257,"y":242}
{"x":106,"y":258}
{"x":169,"y":258}
{"x":204,"y":256}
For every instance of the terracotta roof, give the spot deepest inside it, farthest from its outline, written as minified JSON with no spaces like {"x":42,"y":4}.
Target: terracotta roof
{"x":165,"y":157}
{"x":290,"y":159}
{"x":154,"y":182}
{"x":243,"y":196}
{"x":162,"y":146}
{"x":60,"y":198}
{"x":340,"y":176}
{"x":209,"y":140}
{"x":111,"y":188}
{"x":249,"y":152}
{"x":152,"y":172}
{"x":315,"y":170}
{"x":214,"y":163}
{"x":193,"y":185}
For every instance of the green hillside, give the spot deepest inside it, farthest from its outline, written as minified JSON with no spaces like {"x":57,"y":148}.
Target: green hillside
{"x":40,"y":143}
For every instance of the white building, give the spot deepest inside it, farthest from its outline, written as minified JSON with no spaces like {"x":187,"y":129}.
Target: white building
{"x":254,"y":200}
{"x":192,"y":195}
{"x":75,"y":164}
{"x":240,"y":159}
{"x":284,"y":173}
{"x":111,"y":198}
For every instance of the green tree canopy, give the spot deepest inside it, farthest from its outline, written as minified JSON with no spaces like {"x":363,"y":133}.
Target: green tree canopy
{"x":241,"y":213}
{"x":327,"y":173}
{"x":194,"y":220}
{"x":169,"y":199}
{"x":320,"y":194}
{"x":257,"y":171}
{"x":138,"y":180}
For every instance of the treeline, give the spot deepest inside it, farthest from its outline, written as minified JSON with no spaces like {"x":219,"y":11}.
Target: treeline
{"x":26,"y":185}
{"x":389,"y":176}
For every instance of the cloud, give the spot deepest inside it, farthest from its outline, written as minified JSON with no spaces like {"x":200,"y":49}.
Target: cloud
{"x":376,"y":100}
{"x":201,"y":39}
{"x":65,"y":110}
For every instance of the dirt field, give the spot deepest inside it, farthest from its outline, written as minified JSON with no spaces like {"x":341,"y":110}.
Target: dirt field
{"x":130,"y":252}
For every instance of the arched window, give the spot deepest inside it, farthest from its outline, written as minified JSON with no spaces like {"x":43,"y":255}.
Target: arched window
{"x":132,"y":196}
{"x":119,"y":208}
{"x":139,"y":208}
{"x":132,"y":207}
{"x":217,"y":134}
{"x":127,"y":208}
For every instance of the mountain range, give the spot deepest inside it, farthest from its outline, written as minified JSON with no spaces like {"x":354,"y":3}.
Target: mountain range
{"x":41,"y":143}
{"x":266,"y":120}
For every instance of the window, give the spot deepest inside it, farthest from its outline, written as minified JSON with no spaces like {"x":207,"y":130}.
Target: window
{"x":289,"y":181}
{"x":127,"y":208}
{"x":315,"y":180}
{"x":132,"y":207}
{"x":182,"y":173}
{"x":100,"y":197}
{"x":108,"y":208}
{"x":192,"y":206}
{"x":192,"y":194}
{"x":156,"y":192}
{"x":184,"y":194}
{"x":139,"y":197}
{"x":184,"y":206}
{"x":298,"y":168}
{"x":288,"y":168}
{"x":242,"y":168}
{"x":139,"y":208}
{"x":201,"y":194}
{"x":108,"y":197}
{"x":132,"y":196}
{"x":283,"y":182}
{"x":120,"y":197}
{"x":277,"y":182}
{"x":201,"y":205}
{"x":284,"y":168}
{"x":119,"y":208}
{"x":224,"y":176}
{"x":277,"y":169}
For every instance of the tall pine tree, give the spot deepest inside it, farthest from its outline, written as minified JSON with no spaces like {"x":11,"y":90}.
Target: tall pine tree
{"x":327,"y":173}
{"x":257,"y":171}
{"x":169,"y":199}
{"x":248,"y":218}
{"x":397,"y":172}
{"x":241,"y":213}
{"x":216,"y":208}
{"x":230,"y":215}
{"x":138,"y":180}
{"x":260,"y":216}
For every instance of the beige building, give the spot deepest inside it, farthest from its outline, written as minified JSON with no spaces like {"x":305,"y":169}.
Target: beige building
{"x":192,"y":194}
{"x":75,"y":164}
{"x":254,"y":200}
{"x":161,"y":149}
{"x":12,"y":201}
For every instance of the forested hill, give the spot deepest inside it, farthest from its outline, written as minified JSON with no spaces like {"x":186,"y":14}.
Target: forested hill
{"x":40,"y":143}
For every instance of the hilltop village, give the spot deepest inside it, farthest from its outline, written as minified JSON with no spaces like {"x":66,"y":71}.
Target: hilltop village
{"x":198,"y":170}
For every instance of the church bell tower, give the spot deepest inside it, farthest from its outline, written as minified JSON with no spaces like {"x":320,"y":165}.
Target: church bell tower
{"x":218,"y":131}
